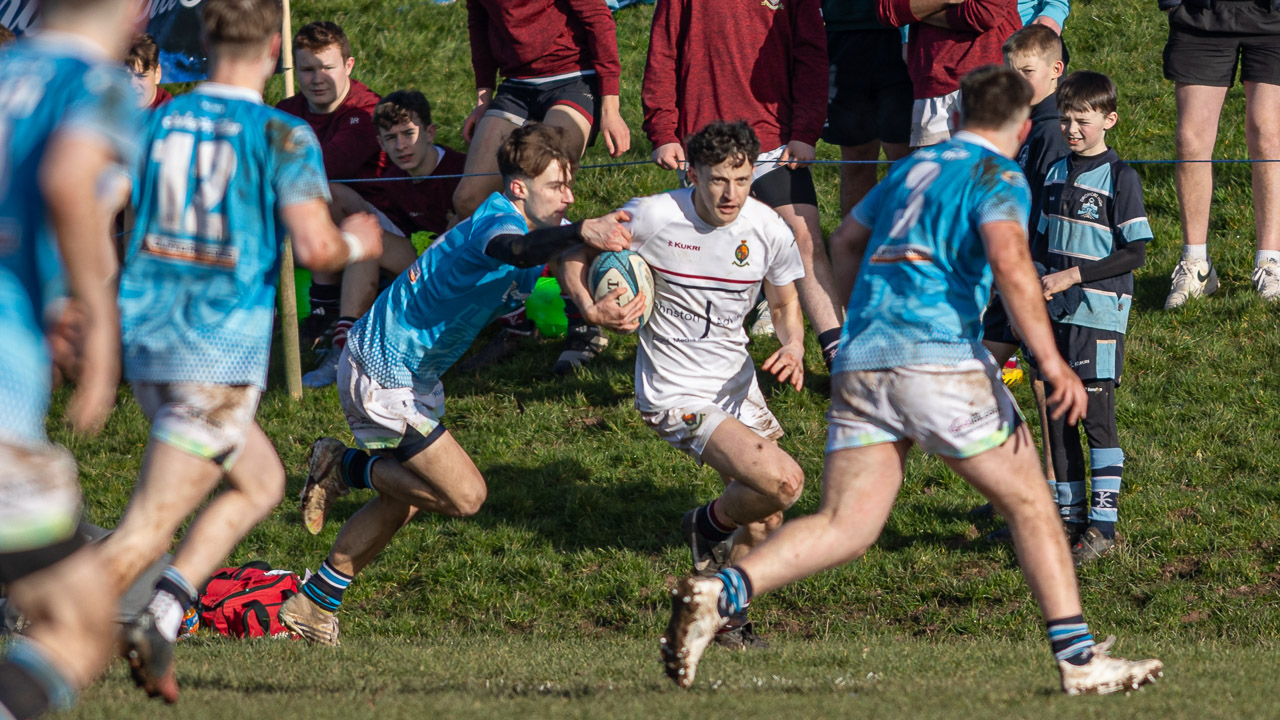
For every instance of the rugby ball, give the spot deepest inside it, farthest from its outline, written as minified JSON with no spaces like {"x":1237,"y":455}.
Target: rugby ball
{"x":622,"y":269}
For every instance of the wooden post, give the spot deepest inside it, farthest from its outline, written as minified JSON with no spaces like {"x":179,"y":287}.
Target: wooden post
{"x":288,"y":289}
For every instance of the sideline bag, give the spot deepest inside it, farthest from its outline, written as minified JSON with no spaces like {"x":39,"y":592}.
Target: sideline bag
{"x":245,"y":601}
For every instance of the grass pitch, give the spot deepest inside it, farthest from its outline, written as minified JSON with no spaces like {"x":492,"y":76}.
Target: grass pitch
{"x":550,"y":601}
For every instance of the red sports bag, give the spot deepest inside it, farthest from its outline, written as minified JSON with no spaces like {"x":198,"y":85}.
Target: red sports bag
{"x":245,"y":601}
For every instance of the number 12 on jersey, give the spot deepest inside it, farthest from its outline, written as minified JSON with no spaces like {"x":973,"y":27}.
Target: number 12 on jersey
{"x":190,"y":188}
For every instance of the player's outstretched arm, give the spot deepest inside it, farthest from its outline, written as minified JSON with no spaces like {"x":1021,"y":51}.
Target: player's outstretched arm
{"x":321,"y":245}
{"x":787,"y":364}
{"x":69,"y":179}
{"x":1010,"y":258}
{"x":848,"y":245}
{"x":606,"y":312}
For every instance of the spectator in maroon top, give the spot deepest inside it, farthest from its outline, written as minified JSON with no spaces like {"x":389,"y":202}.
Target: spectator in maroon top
{"x":764,"y":62}
{"x":948,"y":38}
{"x":405,"y":207}
{"x":340,"y":111}
{"x":559,"y":64}
{"x":143,"y":61}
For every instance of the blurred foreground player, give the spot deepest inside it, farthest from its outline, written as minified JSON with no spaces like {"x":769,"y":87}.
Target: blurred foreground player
{"x":222,"y":179}
{"x":924,"y":246}
{"x":67,"y":115}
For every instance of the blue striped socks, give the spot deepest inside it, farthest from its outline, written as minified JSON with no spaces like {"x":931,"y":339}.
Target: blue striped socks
{"x":1071,"y":640}
{"x":736,"y":595}
{"x":357,"y":469}
{"x":1106,"y":468}
{"x":325,"y":588}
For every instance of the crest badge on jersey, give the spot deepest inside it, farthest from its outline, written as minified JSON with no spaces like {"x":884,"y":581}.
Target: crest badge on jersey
{"x":692,"y":420}
{"x":741,"y":254}
{"x":1090,"y":206}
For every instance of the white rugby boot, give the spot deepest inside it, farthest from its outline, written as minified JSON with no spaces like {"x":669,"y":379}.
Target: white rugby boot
{"x":1192,"y":278}
{"x":324,"y":482}
{"x":1104,"y":674}
{"x":694,"y":622}
{"x":1266,"y":280}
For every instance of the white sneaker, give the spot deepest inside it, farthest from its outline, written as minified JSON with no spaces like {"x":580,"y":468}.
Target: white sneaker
{"x":326,"y":372}
{"x":1104,"y":674}
{"x":1266,"y":280}
{"x":694,"y":622}
{"x":1192,"y":278}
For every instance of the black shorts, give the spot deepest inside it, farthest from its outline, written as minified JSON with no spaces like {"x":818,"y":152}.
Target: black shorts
{"x":521,"y":101}
{"x":995,"y":323}
{"x":16,"y":565}
{"x":1206,"y":46}
{"x":870,"y":92}
{"x":785,"y":186}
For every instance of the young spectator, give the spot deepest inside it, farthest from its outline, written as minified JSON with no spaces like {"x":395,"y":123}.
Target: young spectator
{"x":948,"y":38}
{"x":1035,"y":52}
{"x":559,"y":63}
{"x":870,"y":98}
{"x":425,"y":204}
{"x":765,"y":63}
{"x":143,"y":60}
{"x":1096,"y":231}
{"x":340,"y":111}
{"x":197,"y":302}
{"x":1207,"y":42}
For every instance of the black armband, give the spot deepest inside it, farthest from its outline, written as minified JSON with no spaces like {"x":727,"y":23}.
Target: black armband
{"x":533,"y":248}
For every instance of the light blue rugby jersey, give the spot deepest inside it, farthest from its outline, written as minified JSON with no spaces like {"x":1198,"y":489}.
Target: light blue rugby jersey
{"x":49,"y":83}
{"x":924,"y":280}
{"x":430,"y":315}
{"x":198,"y":289}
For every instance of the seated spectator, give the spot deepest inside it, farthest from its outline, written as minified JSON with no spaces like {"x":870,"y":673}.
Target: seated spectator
{"x":143,"y":61}
{"x":404,"y":207}
{"x":948,"y":38}
{"x":340,"y":111}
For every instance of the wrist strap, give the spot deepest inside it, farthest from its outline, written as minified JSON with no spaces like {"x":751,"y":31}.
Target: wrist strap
{"x":355,"y":251}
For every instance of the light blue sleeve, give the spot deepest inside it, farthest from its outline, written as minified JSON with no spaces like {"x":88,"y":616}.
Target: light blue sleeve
{"x":107,"y":110}
{"x":1007,"y":200}
{"x":299,"y":166}
{"x":491,"y":225}
{"x":1055,"y":10}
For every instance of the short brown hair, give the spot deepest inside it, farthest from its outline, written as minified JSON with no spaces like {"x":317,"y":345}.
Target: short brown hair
{"x":317,"y":36}
{"x":6,"y":35}
{"x":144,"y":54}
{"x":400,"y":107}
{"x":993,"y":97}
{"x":1085,"y":91}
{"x":719,"y":141}
{"x":241,"y":26}
{"x":530,"y":149}
{"x":1035,"y":40}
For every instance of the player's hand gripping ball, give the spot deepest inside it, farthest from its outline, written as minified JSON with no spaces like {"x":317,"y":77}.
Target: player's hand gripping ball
{"x":622,"y":269}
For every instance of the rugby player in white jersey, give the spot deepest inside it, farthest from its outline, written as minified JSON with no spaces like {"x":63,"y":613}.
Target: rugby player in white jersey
{"x":711,"y":247}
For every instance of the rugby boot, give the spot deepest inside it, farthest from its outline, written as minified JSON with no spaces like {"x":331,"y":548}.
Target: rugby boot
{"x":740,"y":634}
{"x":581,"y":345}
{"x":1091,"y":545}
{"x":150,"y":657}
{"x":324,"y":482}
{"x":709,"y":557}
{"x":309,"y":621}
{"x":1192,"y":278}
{"x":1266,"y":280}
{"x":326,"y":371}
{"x":1104,"y":674}
{"x":694,"y":622}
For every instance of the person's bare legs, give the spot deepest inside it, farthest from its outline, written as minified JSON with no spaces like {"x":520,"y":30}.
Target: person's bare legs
{"x":255,"y":486}
{"x":1199,"y":107}
{"x":818,"y":286}
{"x":857,"y":180}
{"x":441,"y":479}
{"x":765,"y":479}
{"x":859,"y":487}
{"x":1010,"y":477}
{"x":1262,"y":134}
{"x":360,"y":280}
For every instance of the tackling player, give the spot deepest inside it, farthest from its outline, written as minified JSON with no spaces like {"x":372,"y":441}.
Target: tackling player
{"x":924,"y":246}
{"x":223,"y":178}
{"x":711,"y":247}
{"x":389,"y":375}
{"x":67,"y":115}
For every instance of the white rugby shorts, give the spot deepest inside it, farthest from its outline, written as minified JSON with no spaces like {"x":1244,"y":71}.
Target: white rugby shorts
{"x":379,"y":417}
{"x":206,"y":420}
{"x":39,"y":497}
{"x":931,"y":119}
{"x":689,"y":428}
{"x":956,"y":411}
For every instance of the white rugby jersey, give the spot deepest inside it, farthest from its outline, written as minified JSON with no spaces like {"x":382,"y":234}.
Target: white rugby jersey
{"x":706,"y":280}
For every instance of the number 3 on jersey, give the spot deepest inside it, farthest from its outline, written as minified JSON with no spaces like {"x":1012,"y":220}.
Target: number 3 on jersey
{"x":188,"y":212}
